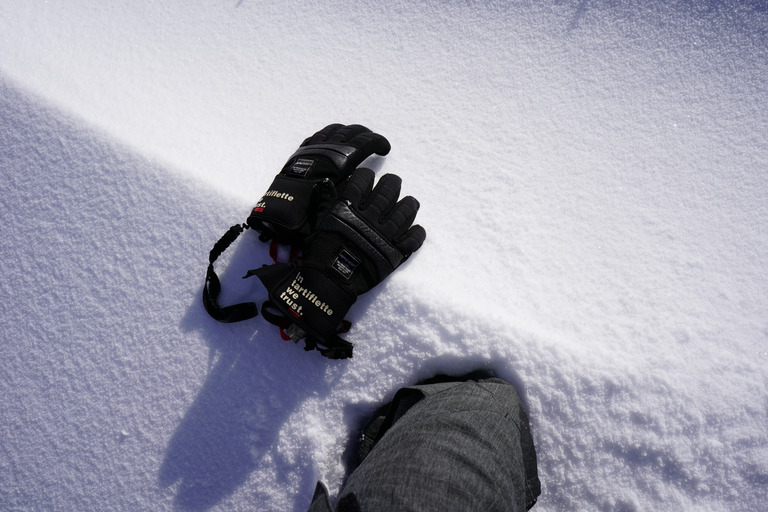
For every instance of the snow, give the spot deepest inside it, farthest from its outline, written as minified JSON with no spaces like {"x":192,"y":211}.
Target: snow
{"x":593,"y":183}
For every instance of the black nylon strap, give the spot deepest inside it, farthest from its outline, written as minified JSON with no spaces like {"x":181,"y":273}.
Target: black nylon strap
{"x":212,"y":286}
{"x":341,"y":349}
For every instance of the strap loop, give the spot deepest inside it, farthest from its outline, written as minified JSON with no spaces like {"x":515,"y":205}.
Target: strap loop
{"x":212,"y":285}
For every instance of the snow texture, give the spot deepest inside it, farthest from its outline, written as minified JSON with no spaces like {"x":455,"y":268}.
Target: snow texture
{"x":593,"y":180}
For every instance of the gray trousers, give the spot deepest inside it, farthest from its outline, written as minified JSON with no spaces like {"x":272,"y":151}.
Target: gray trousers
{"x":450,"y":446}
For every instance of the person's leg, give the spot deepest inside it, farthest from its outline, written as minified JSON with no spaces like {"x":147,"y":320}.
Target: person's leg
{"x":448,"y":446}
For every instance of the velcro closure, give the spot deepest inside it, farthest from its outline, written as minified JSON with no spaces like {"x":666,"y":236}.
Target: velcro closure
{"x":338,"y":154}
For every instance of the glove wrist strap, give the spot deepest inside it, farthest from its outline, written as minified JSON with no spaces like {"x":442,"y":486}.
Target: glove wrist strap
{"x":212,"y":285}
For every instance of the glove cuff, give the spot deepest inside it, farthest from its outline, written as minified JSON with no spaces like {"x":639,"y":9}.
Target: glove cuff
{"x":284,"y":210}
{"x":307,"y":298}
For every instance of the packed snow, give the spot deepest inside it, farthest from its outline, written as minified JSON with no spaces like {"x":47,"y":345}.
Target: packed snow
{"x":593,"y":178}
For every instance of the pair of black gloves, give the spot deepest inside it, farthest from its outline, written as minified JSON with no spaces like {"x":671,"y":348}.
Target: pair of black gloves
{"x":352,"y":235}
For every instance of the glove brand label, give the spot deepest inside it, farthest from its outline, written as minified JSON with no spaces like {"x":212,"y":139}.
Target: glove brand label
{"x":301,"y":167}
{"x":345,"y":264}
{"x":278,"y":195}
{"x":295,"y":290}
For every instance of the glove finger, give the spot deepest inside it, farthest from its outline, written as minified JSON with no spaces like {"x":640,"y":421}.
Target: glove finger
{"x":412,"y":240}
{"x":400,"y":218}
{"x":358,"y":186}
{"x":368,"y":141}
{"x":322,"y":135}
{"x":345,"y":134}
{"x":368,"y":144}
{"x":364,"y":140}
{"x":383,"y":198}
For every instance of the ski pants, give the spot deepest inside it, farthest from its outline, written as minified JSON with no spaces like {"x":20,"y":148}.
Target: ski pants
{"x":448,"y":446}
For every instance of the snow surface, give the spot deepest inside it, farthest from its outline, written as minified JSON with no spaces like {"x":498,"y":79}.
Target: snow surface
{"x":593,"y":180}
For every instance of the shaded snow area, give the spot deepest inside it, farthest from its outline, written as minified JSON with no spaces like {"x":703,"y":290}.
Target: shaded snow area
{"x":593,"y":178}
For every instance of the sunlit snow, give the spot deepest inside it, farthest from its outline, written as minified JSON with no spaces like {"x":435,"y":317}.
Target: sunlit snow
{"x":593,"y":178}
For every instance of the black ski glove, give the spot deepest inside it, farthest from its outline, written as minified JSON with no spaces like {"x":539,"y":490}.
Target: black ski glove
{"x":306,"y":187}
{"x":364,"y":238}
